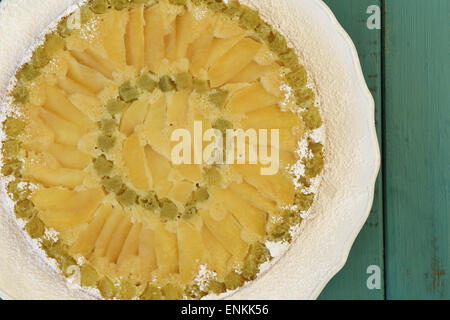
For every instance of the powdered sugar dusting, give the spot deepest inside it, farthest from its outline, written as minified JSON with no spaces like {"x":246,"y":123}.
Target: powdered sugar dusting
{"x":204,"y":275}
{"x":32,"y":36}
{"x":25,"y":22}
{"x":88,"y":32}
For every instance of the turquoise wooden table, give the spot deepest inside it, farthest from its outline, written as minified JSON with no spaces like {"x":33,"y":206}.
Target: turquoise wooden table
{"x":406,"y":62}
{"x":403,"y":250}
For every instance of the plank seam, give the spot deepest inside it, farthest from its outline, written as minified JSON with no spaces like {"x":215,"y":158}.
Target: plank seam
{"x":383,"y":140}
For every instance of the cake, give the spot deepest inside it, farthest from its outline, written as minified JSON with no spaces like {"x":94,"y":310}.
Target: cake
{"x":88,"y":151}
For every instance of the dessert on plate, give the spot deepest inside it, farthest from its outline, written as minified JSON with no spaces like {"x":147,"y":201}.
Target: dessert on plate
{"x":88,"y":148}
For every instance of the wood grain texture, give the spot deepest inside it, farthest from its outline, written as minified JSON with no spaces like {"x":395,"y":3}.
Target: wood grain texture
{"x":350,"y":282}
{"x":417,"y":153}
{"x":416,"y":143}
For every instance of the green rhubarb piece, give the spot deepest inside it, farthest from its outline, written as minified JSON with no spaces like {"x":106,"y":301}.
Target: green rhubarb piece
{"x":89,"y":276}
{"x":24,"y":209}
{"x":108,"y":126}
{"x":249,"y":19}
{"x":304,"y":182}
{"x":20,"y":94}
{"x":149,"y":202}
{"x":103,"y":166}
{"x":106,"y":288}
{"x":120,"y":4}
{"x":195,"y":292}
{"x":57,"y":251}
{"x":151,"y":292}
{"x":201,"y":86}
{"x":297,"y":78}
{"x":213,"y":176}
{"x":13,"y":127}
{"x":166,"y":84}
{"x":219,"y":97}
{"x":233,"y":280}
{"x":28,"y":72}
{"x":280,"y":231}
{"x":289,"y":59}
{"x":234,"y":9}
{"x":216,"y":287}
{"x":169,"y":210}
{"x":258,"y":254}
{"x":12,"y":167}
{"x":312,"y":118}
{"x":172,"y":292}
{"x":223,"y":125}
{"x":17,"y":191}
{"x":127,"y":290}
{"x":40,"y":58}
{"x":146,"y":82}
{"x":65,"y":261}
{"x":98,"y":6}
{"x":54,"y":249}
{"x":85,"y":14}
{"x":277,"y":42}
{"x":10,"y":148}
{"x":115,"y":106}
{"x":112,"y":185}
{"x":53,"y":43}
{"x":183,"y":80}
{"x":190,"y":211}
{"x":127,"y":197}
{"x":304,"y":201}
{"x":264,"y":31}
{"x":313,"y":166}
{"x":250,"y":270}
{"x":128,"y":92}
{"x":201,"y":194}
{"x":178,"y":2}
{"x":304,"y":97}
{"x":35,"y":227}
{"x":292,"y":217}
{"x":63,"y":29}
{"x":215,"y":5}
{"x":315,"y":147}
{"x":105,"y":142}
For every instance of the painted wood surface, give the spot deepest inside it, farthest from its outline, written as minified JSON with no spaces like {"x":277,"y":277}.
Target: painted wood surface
{"x":407,"y":68}
{"x":415,"y":130}
{"x":417,"y":148}
{"x":351,"y":282}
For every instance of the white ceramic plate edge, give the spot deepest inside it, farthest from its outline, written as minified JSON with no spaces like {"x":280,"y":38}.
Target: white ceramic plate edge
{"x":371,"y":104}
{"x":345,"y":247}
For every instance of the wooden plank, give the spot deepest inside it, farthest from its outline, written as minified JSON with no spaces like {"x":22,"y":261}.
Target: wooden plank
{"x":417,"y":153}
{"x":351,"y":281}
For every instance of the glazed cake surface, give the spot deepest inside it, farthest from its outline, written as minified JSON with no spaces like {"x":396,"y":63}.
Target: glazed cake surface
{"x":88,"y":147}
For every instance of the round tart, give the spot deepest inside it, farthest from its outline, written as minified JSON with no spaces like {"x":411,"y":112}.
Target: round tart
{"x":89,"y":147}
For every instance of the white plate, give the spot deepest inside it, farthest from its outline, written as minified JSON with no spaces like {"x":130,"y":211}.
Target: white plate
{"x":352,"y":154}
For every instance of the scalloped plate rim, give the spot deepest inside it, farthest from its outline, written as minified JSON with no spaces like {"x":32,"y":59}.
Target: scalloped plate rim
{"x":333,"y":270}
